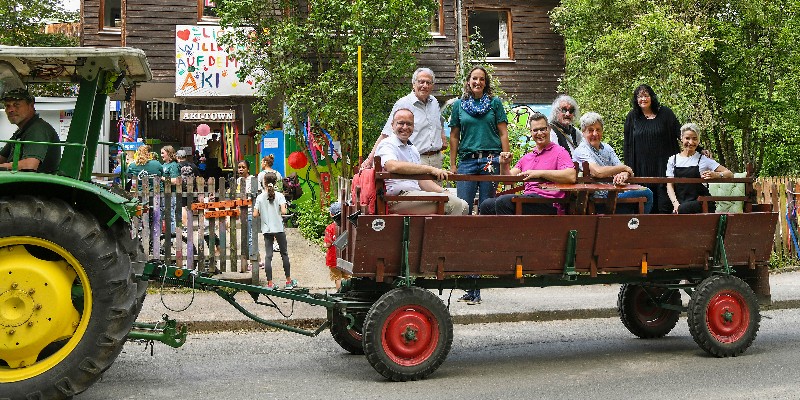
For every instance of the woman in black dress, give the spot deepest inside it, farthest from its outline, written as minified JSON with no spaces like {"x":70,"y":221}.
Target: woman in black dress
{"x":651,"y":136}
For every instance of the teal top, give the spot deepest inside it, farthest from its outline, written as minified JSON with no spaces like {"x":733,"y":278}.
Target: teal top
{"x":151,"y":167}
{"x":478,"y":133}
{"x":171,"y":170}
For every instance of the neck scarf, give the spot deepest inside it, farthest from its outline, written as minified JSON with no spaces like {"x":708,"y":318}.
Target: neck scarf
{"x":477,"y":108}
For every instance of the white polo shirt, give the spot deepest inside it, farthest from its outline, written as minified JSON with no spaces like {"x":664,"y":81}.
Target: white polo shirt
{"x":392,"y":148}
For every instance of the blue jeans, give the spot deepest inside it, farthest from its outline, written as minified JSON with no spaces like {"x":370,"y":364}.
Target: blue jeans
{"x":465,"y":190}
{"x":632,"y":208}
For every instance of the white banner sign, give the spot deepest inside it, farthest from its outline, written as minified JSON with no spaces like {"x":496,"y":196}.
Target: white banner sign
{"x":203,"y":67}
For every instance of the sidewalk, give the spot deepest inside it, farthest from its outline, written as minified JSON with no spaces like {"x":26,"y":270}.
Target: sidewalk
{"x":208,"y":312}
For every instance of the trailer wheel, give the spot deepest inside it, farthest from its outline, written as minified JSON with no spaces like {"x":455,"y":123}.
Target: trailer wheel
{"x":348,"y":339}
{"x":407,"y":334}
{"x":639,"y":311}
{"x":724,"y":316}
{"x":66,"y":299}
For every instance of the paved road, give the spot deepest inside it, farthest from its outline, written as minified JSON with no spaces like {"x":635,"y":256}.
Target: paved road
{"x":568,"y":359}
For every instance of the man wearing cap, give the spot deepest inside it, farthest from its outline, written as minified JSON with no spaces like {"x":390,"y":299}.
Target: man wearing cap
{"x":33,"y":157}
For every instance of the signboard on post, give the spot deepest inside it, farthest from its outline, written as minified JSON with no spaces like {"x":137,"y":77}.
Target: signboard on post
{"x":272,"y":143}
{"x":203,"y":68}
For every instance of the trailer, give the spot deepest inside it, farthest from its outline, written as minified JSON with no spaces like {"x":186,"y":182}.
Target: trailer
{"x":73,"y":273}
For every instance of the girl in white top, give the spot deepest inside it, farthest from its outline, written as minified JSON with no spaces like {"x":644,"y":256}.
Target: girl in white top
{"x":266,"y":166}
{"x":270,"y":205}
{"x":691,"y":164}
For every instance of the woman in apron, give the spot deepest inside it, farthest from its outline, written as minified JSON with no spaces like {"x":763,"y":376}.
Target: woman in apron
{"x":689,"y":163}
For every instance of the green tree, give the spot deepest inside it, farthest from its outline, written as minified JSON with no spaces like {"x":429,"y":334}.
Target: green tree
{"x":729,"y":66}
{"x":307,"y":56}
{"x":22,"y":23}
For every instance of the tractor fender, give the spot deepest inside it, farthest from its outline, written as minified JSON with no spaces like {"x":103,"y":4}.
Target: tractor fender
{"x":108,"y":207}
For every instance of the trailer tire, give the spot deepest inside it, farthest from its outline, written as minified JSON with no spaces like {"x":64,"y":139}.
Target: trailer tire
{"x":639,"y":312}
{"x":724,"y":316}
{"x":70,"y":300}
{"x":351,"y":340}
{"x":407,"y":334}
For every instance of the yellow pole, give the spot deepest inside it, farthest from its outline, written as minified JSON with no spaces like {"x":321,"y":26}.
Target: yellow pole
{"x":360,"y":111}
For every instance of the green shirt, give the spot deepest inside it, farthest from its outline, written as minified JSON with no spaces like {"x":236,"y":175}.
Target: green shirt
{"x":171,"y":170}
{"x":478,"y":133}
{"x":151,"y":167}
{"x":36,"y":130}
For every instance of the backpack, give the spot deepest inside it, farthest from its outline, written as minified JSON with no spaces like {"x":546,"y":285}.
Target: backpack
{"x":363,"y":191}
{"x":188,"y":172}
{"x":292,"y":189}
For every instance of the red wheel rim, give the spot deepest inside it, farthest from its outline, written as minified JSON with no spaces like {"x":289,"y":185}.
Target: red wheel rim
{"x":727,"y":316}
{"x":410,"y":335}
{"x":646,"y":309}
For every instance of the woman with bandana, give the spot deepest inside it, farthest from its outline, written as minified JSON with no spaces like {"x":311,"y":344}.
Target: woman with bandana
{"x":478,"y":133}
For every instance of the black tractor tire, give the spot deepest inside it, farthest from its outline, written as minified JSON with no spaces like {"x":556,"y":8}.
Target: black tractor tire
{"x":70,"y":285}
{"x":351,"y":340}
{"x":639,"y":311}
{"x":408,"y":333}
{"x":130,"y":242}
{"x":724,"y":316}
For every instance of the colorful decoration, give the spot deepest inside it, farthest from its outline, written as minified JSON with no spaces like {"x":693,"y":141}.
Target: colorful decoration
{"x":298,"y":160}
{"x":203,"y":129}
{"x":128,"y":129}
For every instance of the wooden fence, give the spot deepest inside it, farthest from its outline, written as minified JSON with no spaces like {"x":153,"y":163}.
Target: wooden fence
{"x":781,"y":192}
{"x":212,"y":219}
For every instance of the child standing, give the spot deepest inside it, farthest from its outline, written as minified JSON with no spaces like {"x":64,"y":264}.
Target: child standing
{"x":330,"y":236}
{"x":270,"y":205}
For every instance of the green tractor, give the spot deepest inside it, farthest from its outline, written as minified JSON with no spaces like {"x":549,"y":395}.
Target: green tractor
{"x":68,"y":260}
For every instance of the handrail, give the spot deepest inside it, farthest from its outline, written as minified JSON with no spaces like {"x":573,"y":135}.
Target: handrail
{"x":15,"y":155}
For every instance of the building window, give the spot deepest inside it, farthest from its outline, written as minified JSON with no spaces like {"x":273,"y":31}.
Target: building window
{"x":437,"y":22}
{"x":207,"y":11}
{"x":495,"y":30}
{"x":110,"y":14}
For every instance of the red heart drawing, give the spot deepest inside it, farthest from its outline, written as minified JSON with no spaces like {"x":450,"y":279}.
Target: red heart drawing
{"x":205,"y":68}
{"x":184,"y":34}
{"x":249,"y":82}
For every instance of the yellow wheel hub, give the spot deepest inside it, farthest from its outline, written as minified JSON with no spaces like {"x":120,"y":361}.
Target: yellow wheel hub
{"x":37,"y":308}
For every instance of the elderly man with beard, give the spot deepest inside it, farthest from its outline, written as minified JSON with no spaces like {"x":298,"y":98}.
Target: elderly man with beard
{"x":562,"y":116}
{"x":20,"y":110}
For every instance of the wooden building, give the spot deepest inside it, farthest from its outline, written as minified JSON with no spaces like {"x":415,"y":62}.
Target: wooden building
{"x":528,"y":57}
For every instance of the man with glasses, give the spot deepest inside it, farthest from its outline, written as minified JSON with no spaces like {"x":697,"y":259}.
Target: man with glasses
{"x":399,"y":156}
{"x":428,"y":134}
{"x":562,"y":115}
{"x":548,"y":161}
{"x":20,"y":110}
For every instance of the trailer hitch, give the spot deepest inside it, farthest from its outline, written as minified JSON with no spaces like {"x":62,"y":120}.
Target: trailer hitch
{"x":166,"y":331}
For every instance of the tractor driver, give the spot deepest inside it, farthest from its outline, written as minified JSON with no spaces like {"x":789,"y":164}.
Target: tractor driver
{"x":33,"y":157}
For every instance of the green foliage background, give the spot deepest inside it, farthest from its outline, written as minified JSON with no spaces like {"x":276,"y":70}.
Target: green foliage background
{"x":307,"y":56}
{"x":732,"y":67}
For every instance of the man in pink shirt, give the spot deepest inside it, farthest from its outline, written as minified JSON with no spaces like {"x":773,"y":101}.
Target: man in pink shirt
{"x":548,"y":161}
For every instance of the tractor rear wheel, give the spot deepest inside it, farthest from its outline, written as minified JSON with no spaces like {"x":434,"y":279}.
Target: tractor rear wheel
{"x":130,"y":242}
{"x":639,"y":310}
{"x":67,"y":300}
{"x":724,"y":316}
{"x":407,"y":334}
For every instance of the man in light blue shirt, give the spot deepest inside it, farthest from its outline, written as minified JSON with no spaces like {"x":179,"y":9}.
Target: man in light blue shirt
{"x":604,"y":163}
{"x":428,"y":136}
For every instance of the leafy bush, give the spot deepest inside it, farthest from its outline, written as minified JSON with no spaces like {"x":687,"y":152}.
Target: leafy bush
{"x":312,"y":220}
